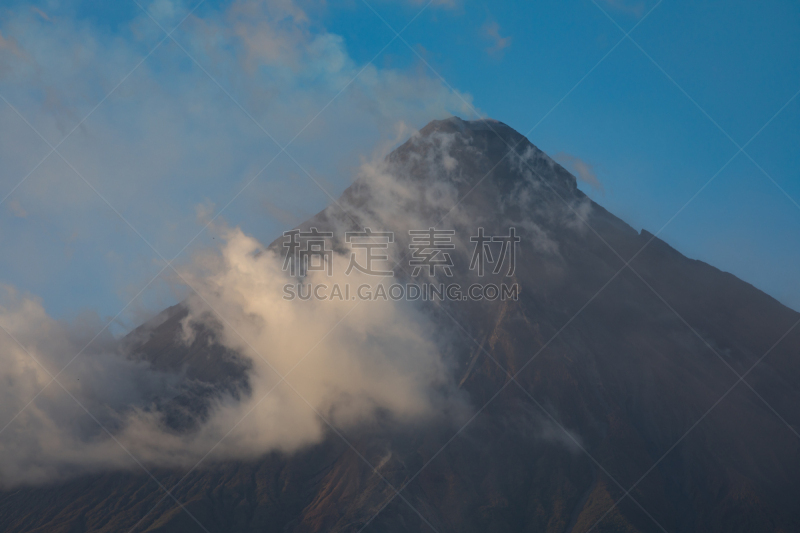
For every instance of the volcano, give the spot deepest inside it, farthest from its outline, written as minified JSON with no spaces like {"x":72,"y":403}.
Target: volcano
{"x":627,"y":388}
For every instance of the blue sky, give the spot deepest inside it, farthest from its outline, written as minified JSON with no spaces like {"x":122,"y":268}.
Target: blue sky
{"x":652,"y":119}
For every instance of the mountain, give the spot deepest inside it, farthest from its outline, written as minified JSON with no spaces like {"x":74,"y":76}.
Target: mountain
{"x":617,"y":369}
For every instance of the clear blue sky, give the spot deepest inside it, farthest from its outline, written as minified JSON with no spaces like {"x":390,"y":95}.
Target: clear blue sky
{"x":169,"y":144}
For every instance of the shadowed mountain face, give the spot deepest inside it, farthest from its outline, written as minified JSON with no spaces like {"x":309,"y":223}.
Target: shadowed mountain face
{"x":624,"y":379}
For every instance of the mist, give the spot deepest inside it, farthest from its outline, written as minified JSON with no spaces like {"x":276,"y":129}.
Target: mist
{"x":78,"y":404}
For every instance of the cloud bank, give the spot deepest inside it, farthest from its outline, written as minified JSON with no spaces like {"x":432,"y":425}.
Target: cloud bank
{"x":344,"y":362}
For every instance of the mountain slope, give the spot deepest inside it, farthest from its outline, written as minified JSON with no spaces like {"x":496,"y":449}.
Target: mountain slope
{"x":624,"y":376}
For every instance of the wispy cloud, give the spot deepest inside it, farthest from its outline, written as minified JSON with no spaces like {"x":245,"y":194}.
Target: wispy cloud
{"x":491,"y":31}
{"x":169,"y":137}
{"x":581,"y":169}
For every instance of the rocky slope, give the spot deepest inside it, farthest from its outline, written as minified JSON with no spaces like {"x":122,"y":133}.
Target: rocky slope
{"x":616,"y":370}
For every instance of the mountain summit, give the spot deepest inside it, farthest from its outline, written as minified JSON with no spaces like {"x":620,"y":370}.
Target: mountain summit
{"x":628,"y":388}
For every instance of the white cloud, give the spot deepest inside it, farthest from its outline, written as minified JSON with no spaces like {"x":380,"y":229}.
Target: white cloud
{"x":581,"y":169}
{"x":169,"y":138}
{"x":50,"y":437}
{"x":349,"y":361}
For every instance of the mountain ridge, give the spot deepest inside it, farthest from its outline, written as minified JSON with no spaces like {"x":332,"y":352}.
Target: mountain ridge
{"x":623,"y":377}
